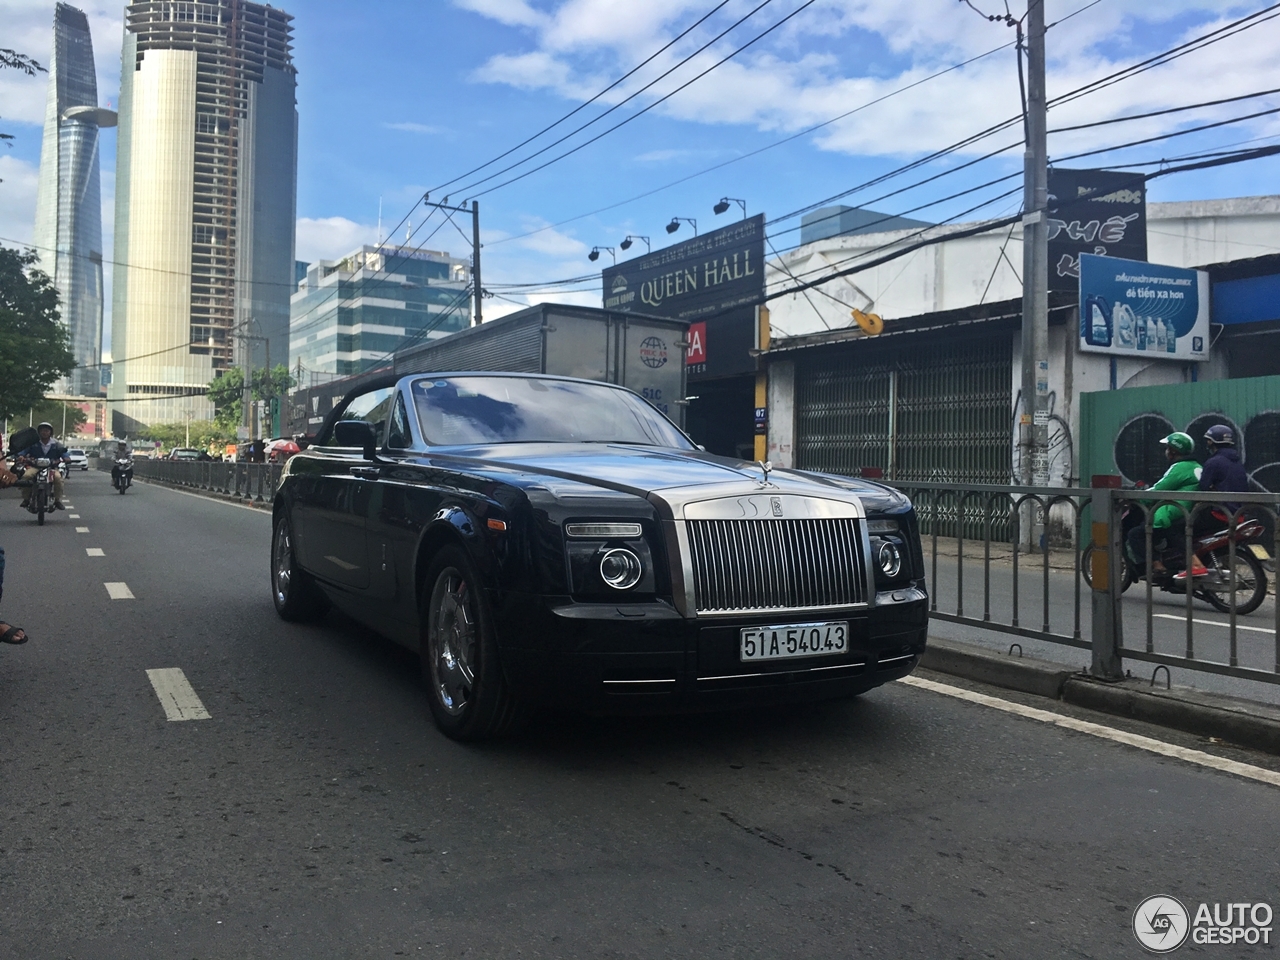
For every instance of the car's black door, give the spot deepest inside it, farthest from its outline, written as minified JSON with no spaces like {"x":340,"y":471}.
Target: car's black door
{"x":333,"y":496}
{"x":403,"y":501}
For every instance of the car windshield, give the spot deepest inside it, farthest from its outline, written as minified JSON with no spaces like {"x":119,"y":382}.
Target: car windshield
{"x":479,"y":409}
{"x":73,"y":452}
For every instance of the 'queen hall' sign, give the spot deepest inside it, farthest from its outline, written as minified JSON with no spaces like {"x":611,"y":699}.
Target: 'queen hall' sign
{"x":717,"y":277}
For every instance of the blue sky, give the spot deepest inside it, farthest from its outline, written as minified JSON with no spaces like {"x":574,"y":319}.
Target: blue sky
{"x":396,"y":97}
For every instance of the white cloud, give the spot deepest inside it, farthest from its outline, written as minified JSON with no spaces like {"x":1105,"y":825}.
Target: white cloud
{"x":17,"y":199}
{"x":787,"y":83}
{"x":512,"y":13}
{"x":329,"y":238}
{"x":411,"y":127}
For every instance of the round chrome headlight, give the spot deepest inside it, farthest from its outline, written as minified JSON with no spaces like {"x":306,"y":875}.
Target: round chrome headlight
{"x":889,"y":558}
{"x":620,"y":568}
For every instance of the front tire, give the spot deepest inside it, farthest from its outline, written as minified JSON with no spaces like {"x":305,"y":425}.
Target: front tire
{"x":1251,"y":583}
{"x":295,"y":594}
{"x":469,"y":695}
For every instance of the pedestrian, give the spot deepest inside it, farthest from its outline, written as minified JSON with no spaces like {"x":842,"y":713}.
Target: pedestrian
{"x":8,"y":632}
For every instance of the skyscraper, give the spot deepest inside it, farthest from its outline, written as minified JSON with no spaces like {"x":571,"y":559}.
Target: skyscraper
{"x":206,"y":184}
{"x":68,"y":229}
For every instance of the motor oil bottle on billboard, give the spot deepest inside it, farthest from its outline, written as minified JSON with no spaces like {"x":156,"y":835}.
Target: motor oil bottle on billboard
{"x":1097,"y":327}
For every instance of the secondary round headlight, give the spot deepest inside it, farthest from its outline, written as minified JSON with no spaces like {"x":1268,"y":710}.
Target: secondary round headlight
{"x":889,"y":558}
{"x":620,"y":568}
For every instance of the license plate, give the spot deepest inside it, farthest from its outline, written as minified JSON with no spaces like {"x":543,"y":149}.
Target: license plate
{"x":1259,"y":551}
{"x":792,"y":640}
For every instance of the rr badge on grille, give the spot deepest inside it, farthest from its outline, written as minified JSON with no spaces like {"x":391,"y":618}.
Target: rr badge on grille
{"x":777,"y":506}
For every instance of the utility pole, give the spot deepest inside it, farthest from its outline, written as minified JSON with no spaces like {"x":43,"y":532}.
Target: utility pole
{"x":1033,"y":428}
{"x":475,"y":259}
{"x":246,"y":394}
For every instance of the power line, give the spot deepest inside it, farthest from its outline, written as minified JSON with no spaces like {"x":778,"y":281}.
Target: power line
{"x":1007,"y":221}
{"x":611,"y":86}
{"x":785,"y":140}
{"x":644,"y":110}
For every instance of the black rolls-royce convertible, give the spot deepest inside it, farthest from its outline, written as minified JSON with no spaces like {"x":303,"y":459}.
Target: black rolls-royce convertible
{"x":544,"y":540}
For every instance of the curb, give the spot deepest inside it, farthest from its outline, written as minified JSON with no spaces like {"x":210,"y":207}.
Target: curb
{"x":1242,"y":722}
{"x":1027,"y":674}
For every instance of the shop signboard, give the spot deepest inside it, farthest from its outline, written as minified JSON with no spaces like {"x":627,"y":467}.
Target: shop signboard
{"x":1136,"y":309}
{"x":715,"y":280}
{"x":1102,"y":212}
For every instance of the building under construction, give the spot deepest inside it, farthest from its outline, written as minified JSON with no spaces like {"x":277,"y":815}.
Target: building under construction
{"x":205,"y":202}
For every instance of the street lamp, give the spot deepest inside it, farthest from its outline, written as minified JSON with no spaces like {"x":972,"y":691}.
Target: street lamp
{"x":626,"y":244}
{"x":594,"y":255}
{"x":723,"y":205}
{"x":674,"y":225}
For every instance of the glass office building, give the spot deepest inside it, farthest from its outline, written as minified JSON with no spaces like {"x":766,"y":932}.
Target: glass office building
{"x":349,"y":315}
{"x":68,"y":228}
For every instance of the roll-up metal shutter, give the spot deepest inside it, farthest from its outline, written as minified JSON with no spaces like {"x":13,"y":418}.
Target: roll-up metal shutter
{"x":919,"y":409}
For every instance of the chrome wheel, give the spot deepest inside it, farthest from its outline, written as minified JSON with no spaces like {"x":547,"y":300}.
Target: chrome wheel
{"x":282,"y":564}
{"x":453,"y":637}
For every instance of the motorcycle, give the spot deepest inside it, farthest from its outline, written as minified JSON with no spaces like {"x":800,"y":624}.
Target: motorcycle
{"x":40,"y":500}
{"x":1213,"y":547}
{"x":122,"y":475}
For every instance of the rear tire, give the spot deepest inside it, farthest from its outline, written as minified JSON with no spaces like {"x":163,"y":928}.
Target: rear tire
{"x":468,"y":693}
{"x":1126,"y":569}
{"x":294,"y":592}
{"x":1251,"y":583}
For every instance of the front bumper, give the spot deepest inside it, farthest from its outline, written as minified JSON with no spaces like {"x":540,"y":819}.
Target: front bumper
{"x":647,"y":658}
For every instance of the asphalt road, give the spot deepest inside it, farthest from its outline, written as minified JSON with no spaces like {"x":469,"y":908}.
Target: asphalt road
{"x":317,"y":812}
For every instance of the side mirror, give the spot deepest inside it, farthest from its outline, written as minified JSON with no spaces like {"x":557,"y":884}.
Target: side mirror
{"x":357,"y":433}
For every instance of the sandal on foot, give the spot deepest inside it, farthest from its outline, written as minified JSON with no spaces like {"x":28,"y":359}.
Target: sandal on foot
{"x":8,"y":635}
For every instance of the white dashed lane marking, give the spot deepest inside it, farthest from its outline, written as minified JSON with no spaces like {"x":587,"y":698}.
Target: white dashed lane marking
{"x":1197,"y":757}
{"x":119,"y":591}
{"x":73,"y":516}
{"x":1213,"y":623}
{"x":82,"y":529}
{"x":176,"y":694}
{"x":94,"y":551}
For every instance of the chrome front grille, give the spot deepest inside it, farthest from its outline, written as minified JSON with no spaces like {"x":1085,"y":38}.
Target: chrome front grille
{"x":742,"y":566}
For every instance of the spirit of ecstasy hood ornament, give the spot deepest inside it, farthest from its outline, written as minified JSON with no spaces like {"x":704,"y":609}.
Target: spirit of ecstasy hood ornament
{"x":766,"y":466}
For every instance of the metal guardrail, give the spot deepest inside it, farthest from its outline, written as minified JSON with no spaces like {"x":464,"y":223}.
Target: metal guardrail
{"x":256,"y":482}
{"x":954,"y":517}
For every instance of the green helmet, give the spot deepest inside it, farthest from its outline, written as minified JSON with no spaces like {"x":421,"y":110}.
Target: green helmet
{"x":1180,"y":441}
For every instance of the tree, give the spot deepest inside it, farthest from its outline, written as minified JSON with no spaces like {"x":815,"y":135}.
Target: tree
{"x":34,"y":345}
{"x":227,"y":392}
{"x":204,"y":433}
{"x":51,"y":411}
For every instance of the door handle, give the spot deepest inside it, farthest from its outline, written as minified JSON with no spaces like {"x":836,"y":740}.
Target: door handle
{"x":365,"y":473}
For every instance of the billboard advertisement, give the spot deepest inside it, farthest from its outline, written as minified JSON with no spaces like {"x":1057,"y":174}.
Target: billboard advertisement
{"x":1102,"y":212}
{"x":1136,"y":309}
{"x":716,"y":279}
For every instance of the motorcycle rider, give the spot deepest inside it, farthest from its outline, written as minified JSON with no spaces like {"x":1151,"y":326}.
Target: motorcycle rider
{"x":1222,"y":472}
{"x":48,"y":448}
{"x":123,"y":452}
{"x":1183,"y":474}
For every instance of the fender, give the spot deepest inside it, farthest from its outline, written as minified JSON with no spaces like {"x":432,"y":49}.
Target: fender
{"x":452,"y":523}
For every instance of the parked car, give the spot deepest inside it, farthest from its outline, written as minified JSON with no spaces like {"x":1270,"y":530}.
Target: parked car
{"x":187,"y":453}
{"x":545,"y":540}
{"x":79,"y":459}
